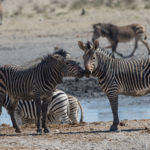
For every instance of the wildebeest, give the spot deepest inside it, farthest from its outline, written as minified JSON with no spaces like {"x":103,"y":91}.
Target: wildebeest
{"x":116,"y":34}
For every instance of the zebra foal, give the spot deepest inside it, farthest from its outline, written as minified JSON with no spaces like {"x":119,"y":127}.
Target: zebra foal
{"x":37,"y":82}
{"x":116,"y":76}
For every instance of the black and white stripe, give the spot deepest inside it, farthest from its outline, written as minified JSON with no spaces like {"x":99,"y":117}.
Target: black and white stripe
{"x":37,"y":82}
{"x":62,"y":109}
{"x":116,"y":76}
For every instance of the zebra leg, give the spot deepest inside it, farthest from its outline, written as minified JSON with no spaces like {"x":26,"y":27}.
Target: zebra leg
{"x":114,"y":106}
{"x":38,"y":112}
{"x":66,"y":119}
{"x":18,"y":117}
{"x":147,"y":46}
{"x":2,"y":98}
{"x":44,"y":116}
{"x":11,"y":111}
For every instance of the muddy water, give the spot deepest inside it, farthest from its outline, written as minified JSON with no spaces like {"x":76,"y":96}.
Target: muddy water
{"x":98,"y":109}
{"x":130,"y":108}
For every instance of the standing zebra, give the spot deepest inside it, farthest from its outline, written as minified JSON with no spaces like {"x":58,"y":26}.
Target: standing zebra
{"x":63,"y":108}
{"x":116,"y":76}
{"x":37,"y":82}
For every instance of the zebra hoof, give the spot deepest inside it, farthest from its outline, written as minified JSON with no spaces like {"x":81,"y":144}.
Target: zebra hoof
{"x":18,"y":131}
{"x":39,"y":131}
{"x":113,"y":128}
{"x":46,"y":130}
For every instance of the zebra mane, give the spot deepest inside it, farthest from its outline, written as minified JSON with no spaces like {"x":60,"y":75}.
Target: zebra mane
{"x":49,"y":58}
{"x":41,"y":60}
{"x":104,"y":52}
{"x":88,"y":45}
{"x":61,"y":52}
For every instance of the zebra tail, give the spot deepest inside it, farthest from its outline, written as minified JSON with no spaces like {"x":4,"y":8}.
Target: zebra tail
{"x":81,"y":109}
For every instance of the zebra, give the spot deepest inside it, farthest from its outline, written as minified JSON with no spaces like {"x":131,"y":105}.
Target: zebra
{"x":74,"y":105}
{"x":62,"y":109}
{"x":37,"y":82}
{"x":116,"y":76}
{"x":116,"y":34}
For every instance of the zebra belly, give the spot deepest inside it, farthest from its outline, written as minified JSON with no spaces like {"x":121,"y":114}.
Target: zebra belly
{"x":135,"y":92}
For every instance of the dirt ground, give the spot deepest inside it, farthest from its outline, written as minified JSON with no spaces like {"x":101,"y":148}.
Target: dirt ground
{"x":132,"y":135}
{"x":32,"y":29}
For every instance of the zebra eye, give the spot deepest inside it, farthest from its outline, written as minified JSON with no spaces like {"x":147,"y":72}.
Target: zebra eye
{"x":94,"y":57}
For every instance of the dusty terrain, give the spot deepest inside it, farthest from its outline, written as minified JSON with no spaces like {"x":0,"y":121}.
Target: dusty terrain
{"x":31,"y":29}
{"x":133,"y":135}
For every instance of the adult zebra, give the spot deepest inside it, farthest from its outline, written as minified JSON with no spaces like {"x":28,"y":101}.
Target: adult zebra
{"x":37,"y":82}
{"x":116,"y":76}
{"x":63,"y":108}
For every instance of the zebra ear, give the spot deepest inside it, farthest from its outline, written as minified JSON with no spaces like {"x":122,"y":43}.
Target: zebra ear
{"x":96,"y":44}
{"x":81,"y":45}
{"x":58,"y":57}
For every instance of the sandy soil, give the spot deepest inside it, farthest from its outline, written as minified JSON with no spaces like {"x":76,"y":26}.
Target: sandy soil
{"x":133,"y":135}
{"x":29,"y":32}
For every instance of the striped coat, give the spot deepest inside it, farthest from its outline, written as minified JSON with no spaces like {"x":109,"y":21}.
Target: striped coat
{"x":116,"y":76}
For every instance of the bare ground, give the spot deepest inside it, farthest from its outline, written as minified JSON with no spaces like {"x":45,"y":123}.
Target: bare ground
{"x":133,"y":135}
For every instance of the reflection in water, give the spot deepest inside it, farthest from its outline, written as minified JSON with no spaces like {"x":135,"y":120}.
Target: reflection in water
{"x":98,"y":109}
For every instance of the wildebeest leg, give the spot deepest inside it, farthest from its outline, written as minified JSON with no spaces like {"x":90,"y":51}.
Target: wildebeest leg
{"x":114,"y":106}
{"x":38,"y":112}
{"x":44,"y":115}
{"x":11,"y":111}
{"x":114,"y":47}
{"x":135,"y":47}
{"x":147,"y":46}
{"x":1,"y":13}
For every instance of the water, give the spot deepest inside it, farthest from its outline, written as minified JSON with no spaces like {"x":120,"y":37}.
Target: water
{"x":98,"y":109}
{"x":129,"y":108}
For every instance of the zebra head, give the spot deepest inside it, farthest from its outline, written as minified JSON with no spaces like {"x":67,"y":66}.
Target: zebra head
{"x":70,"y":68}
{"x":73,"y":69}
{"x":90,"y":57}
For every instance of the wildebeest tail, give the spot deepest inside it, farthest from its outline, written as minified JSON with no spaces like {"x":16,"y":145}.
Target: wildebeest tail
{"x":140,"y":31}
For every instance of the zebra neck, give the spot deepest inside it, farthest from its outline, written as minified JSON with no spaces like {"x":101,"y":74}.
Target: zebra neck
{"x":52,"y":77}
{"x":104,"y":64}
